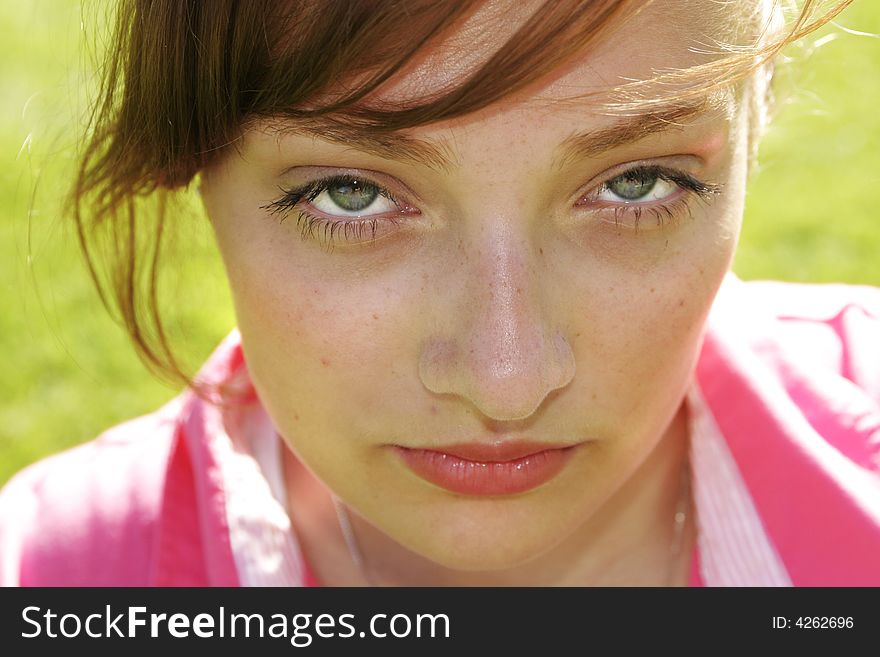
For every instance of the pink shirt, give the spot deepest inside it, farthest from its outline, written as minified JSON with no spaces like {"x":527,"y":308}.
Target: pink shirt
{"x":785,"y":455}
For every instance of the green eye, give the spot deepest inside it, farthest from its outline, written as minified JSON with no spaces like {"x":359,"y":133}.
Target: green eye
{"x":632,"y":186}
{"x":643,"y":185}
{"x":353,"y":196}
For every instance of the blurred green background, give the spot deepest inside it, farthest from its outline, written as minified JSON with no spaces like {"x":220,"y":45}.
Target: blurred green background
{"x":68,"y":371}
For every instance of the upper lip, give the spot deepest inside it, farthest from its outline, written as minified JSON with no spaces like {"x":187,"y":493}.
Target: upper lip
{"x":499,"y":451}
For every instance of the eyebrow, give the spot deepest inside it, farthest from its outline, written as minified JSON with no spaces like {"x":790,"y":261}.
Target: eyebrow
{"x":593,"y":143}
{"x":438,"y":155}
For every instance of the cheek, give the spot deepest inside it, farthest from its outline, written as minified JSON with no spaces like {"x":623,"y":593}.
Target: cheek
{"x":640,"y":326}
{"x":322,"y":353}
{"x":638,"y":358}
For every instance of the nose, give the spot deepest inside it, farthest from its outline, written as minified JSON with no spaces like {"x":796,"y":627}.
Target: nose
{"x":502,"y":351}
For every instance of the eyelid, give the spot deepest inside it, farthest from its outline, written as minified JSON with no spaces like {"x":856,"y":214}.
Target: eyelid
{"x":398,"y":189}
{"x":322,"y":186}
{"x":301,"y":197}
{"x":612,"y":172}
{"x":674,"y":172}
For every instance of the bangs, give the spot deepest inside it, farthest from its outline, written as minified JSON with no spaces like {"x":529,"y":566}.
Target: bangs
{"x":326,"y":60}
{"x":324,"y":47}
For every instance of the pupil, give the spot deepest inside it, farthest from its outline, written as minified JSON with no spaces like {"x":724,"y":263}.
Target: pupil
{"x":353,"y":196}
{"x":633,"y":187}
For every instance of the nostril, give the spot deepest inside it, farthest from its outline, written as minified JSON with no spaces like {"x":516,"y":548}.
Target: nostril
{"x":504,"y":384}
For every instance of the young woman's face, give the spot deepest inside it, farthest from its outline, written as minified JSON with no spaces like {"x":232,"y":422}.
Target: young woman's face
{"x":548,"y":282}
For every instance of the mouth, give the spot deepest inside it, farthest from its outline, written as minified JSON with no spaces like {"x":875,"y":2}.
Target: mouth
{"x":487,"y":469}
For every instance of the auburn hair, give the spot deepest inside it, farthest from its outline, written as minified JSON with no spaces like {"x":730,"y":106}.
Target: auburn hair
{"x":182,"y":79}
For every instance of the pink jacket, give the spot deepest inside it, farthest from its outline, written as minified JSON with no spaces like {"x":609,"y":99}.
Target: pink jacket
{"x":785,"y":455}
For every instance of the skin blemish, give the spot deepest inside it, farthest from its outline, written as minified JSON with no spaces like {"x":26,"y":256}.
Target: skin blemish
{"x":375,"y":316}
{"x":681,"y":303}
{"x":433,"y":410}
{"x":325,"y":362}
{"x":541,"y":251}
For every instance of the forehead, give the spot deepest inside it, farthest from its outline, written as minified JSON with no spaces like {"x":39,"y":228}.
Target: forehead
{"x":653,"y":38}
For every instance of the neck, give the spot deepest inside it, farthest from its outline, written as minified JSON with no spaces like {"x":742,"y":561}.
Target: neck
{"x":630,"y":541}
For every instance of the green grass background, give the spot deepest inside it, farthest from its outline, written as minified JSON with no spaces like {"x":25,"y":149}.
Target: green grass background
{"x":67,"y":371}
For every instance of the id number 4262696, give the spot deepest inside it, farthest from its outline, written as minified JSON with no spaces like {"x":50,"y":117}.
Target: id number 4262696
{"x":813,"y":622}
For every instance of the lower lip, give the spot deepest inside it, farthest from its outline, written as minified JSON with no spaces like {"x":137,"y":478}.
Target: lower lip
{"x":467,"y":477}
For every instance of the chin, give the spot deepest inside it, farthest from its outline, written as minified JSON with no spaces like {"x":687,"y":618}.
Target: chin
{"x":485,"y":562}
{"x":486,"y":555}
{"x":491,"y":543}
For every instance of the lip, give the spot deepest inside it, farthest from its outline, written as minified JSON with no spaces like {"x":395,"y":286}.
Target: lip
{"x":484,"y":469}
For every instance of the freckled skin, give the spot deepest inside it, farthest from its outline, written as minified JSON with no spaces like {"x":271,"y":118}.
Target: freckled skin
{"x":502,"y":313}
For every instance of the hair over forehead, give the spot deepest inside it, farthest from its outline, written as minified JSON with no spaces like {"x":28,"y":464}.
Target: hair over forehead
{"x":458,"y":57}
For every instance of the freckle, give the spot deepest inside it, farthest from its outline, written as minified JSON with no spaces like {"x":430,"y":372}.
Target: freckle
{"x":701,"y":270}
{"x":296,"y":417}
{"x":541,"y":251}
{"x":652,"y":290}
{"x":681,"y":303}
{"x":433,"y":410}
{"x":375,"y":316}
{"x":577,"y":335}
{"x":593,"y":396}
{"x":325,"y":362}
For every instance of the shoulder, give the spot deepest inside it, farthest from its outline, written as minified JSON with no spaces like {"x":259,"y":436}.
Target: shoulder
{"x":823,"y":327}
{"x":59,"y":516}
{"x":142,"y":504}
{"x":790,"y":373}
{"x":802,"y":352}
{"x":814,"y":300}
{"x":833,"y":323}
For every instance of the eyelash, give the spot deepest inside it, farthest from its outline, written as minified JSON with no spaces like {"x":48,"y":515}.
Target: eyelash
{"x":311,"y":225}
{"x":673,"y":211}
